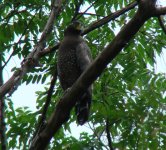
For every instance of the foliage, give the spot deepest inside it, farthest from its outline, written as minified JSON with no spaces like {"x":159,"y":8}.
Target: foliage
{"x":130,"y":94}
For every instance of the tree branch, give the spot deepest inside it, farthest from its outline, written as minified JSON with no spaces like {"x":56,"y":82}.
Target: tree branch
{"x":12,"y":13}
{"x":49,"y":94}
{"x":108,"y":134}
{"x":32,"y":60}
{"x":160,"y":11}
{"x":19,"y":40}
{"x":3,"y":144}
{"x":161,"y":21}
{"x":109,"y":18}
{"x":77,"y":8}
{"x":87,"y":9}
{"x":68,"y":101}
{"x":42,"y":119}
{"x":90,"y":14}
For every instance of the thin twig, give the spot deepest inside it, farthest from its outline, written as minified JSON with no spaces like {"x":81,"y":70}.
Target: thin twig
{"x":77,"y":9}
{"x":86,"y":9}
{"x":108,"y":134}
{"x":12,"y":13}
{"x":49,"y":94}
{"x":41,"y":123}
{"x":98,"y":136}
{"x":90,"y":14}
{"x":108,"y":18}
{"x":18,"y":41}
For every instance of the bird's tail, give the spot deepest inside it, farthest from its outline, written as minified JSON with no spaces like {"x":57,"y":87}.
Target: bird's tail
{"x":83,"y":108}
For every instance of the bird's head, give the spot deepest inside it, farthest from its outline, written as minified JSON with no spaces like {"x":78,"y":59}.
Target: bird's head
{"x":75,"y":27}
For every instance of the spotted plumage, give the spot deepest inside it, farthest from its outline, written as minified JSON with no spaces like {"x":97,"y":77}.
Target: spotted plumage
{"x":73,"y":58}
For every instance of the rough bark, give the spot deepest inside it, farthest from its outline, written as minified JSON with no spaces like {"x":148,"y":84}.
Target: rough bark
{"x":2,"y":114}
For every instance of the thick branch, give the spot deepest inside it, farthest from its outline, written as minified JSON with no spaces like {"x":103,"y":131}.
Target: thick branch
{"x":32,"y":60}
{"x":67,"y":102}
{"x":160,"y":11}
{"x":3,"y":144}
{"x":109,"y":18}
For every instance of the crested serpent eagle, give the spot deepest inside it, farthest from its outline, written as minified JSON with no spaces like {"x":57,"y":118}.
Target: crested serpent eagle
{"x":73,"y":58}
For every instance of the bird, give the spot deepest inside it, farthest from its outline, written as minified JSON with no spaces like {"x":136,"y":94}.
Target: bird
{"x":74,"y":56}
